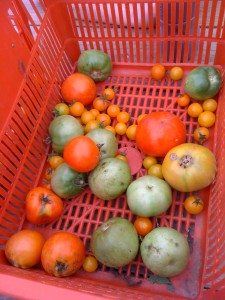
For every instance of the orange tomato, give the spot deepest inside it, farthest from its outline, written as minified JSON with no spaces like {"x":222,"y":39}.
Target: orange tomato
{"x":93,"y":124}
{"x":176,"y":73}
{"x":143,"y":225}
{"x":123,"y":117}
{"x":110,"y":128}
{"x":76,"y":109}
{"x":201,"y":134}
{"x":206,"y":119}
{"x":113,"y":110}
{"x":109,"y":93}
{"x":90,"y":264}
{"x":158,"y":71}
{"x":149,"y":161}
{"x":100,"y":104}
{"x":131,"y":132}
{"x":48,"y":174}
{"x":95,"y":112}
{"x":183,"y":100}
{"x":61,"y":109}
{"x":122,"y":157}
{"x":55,"y":161}
{"x":194,"y":110}
{"x":140,"y":117}
{"x":194,"y":205}
{"x":209,"y":105}
{"x":86,"y":117}
{"x":121,"y":128}
{"x":104,"y":119}
{"x":156,"y":170}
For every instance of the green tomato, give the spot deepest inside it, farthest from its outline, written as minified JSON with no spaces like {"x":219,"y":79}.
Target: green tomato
{"x":66,"y":182}
{"x":202,"y":83}
{"x":94,"y":63}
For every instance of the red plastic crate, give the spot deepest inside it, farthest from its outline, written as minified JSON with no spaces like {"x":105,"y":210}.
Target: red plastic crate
{"x":41,"y":42}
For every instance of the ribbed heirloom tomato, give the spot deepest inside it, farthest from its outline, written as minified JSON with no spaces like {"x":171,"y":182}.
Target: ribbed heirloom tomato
{"x":158,"y":132}
{"x":81,"y":154}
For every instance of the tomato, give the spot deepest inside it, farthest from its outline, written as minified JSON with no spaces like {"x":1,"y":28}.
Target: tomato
{"x":62,"y":129}
{"x":113,"y":110}
{"x":100,"y":104}
{"x":194,"y":110}
{"x":158,"y":132}
{"x":156,"y":170}
{"x":63,"y":254}
{"x":23,"y":249}
{"x":42,"y":206}
{"x":95,"y":112}
{"x":67,"y":183}
{"x":123,"y":117}
{"x":189,"y":167}
{"x":121,"y":128}
{"x":201,"y":134}
{"x":158,"y":71}
{"x":140,"y":117}
{"x":48,"y":173}
{"x":95,"y":64}
{"x":183,"y":100}
{"x":194,"y":205}
{"x":149,"y":161}
{"x":90,"y":264}
{"x":61,"y":109}
{"x":91,"y":125}
{"x":86,"y":117}
{"x":122,"y":157}
{"x":81,"y":154}
{"x":131,"y":132}
{"x":206,"y":119}
{"x":143,"y":225}
{"x":79,"y":87}
{"x":109,"y":93}
{"x":209,"y":105}
{"x":55,"y":161}
{"x":203,"y":83}
{"x":110,"y":128}
{"x":76,"y":109}
{"x":104,"y":119}
{"x":176,"y":73}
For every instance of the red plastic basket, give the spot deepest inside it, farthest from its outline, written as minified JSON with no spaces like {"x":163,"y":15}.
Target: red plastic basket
{"x":40,"y":44}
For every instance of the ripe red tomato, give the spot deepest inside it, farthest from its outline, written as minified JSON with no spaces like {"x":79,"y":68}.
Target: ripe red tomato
{"x":79,"y":87}
{"x":42,"y":206}
{"x":23,"y":249}
{"x":143,"y":225}
{"x":81,"y":154}
{"x":158,"y":132}
{"x":63,"y":254}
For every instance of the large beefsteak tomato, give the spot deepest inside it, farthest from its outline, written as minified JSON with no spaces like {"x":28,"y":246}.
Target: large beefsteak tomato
{"x":158,"y":132}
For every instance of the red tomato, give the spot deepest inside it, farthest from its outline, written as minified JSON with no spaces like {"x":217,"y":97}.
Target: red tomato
{"x":63,"y":254}
{"x":42,"y":206}
{"x":23,"y":249}
{"x":79,"y":87}
{"x":158,"y":132}
{"x":81,"y":154}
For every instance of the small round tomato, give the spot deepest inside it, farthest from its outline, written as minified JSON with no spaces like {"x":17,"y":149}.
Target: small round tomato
{"x":143,"y":225}
{"x":123,"y":117}
{"x":140,"y":117}
{"x":194,"y":205}
{"x":183,"y":100}
{"x":93,"y":124}
{"x":176,"y":73}
{"x":61,"y":109}
{"x":121,"y":128}
{"x":149,"y":161}
{"x":131,"y":132}
{"x":156,"y":170}
{"x":55,"y":161}
{"x":48,"y":174}
{"x":113,"y":110}
{"x":103,"y":119}
{"x":209,"y":105}
{"x":63,"y":254}
{"x":206,"y":119}
{"x":81,"y":154}
{"x":109,"y":93}
{"x":194,"y":109}
{"x":42,"y":206}
{"x":122,"y":157}
{"x":201,"y":134}
{"x":76,"y":109}
{"x":158,"y":71}
{"x":95,"y":112}
{"x":100,"y":104}
{"x":23,"y":249}
{"x":110,"y":128}
{"x":90,"y":264}
{"x":86,"y":117}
